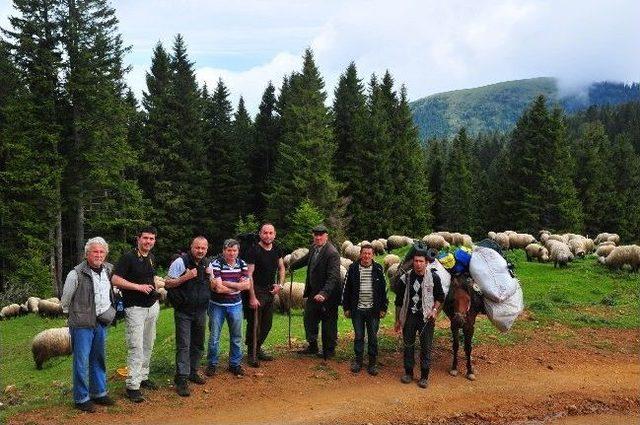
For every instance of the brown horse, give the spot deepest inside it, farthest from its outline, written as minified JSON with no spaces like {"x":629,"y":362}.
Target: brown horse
{"x":462,"y":306}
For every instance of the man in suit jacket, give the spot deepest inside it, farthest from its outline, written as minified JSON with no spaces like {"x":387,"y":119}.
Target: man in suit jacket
{"x":323,"y":290}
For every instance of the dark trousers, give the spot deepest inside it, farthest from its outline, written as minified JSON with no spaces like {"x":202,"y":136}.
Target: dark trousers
{"x":365,"y":319}
{"x":314,"y":313}
{"x":190,"y":330}
{"x":412,"y":325}
{"x":265,"y":319}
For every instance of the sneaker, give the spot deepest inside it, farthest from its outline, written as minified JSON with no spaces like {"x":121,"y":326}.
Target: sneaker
{"x":372,"y":369}
{"x":356,"y":366}
{"x":423,"y":382}
{"x":134,"y":395}
{"x":196,"y":378}
{"x":264,"y":356}
{"x":148,"y":384}
{"x":210,"y":370}
{"x":406,"y":378}
{"x":87,"y":406}
{"x":182,"y":388}
{"x":104,"y":401}
{"x":238,"y":371}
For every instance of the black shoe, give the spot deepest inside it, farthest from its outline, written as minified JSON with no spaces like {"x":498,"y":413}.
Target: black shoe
{"x":134,"y":395}
{"x":253,"y":363}
{"x":238,"y":371}
{"x":105,"y":400}
{"x":356,"y":366}
{"x":182,"y":388}
{"x":372,"y":369}
{"x":87,"y":406}
{"x":210,"y":370}
{"x":264,"y":356}
{"x":326,"y":355}
{"x":148,"y":384}
{"x":197,"y":379}
{"x":423,"y":382}
{"x":310,"y":350}
{"x":406,"y":378}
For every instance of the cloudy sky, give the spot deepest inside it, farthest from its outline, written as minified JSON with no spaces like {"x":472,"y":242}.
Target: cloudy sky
{"x":431,"y":46}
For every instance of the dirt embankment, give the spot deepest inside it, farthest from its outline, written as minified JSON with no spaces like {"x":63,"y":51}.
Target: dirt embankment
{"x":544,"y":380}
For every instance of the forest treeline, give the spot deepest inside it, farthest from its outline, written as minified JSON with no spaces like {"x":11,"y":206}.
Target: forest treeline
{"x":80,"y":156}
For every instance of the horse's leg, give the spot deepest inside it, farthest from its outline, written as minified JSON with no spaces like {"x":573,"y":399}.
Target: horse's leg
{"x":468,"y":343}
{"x":455,"y":345}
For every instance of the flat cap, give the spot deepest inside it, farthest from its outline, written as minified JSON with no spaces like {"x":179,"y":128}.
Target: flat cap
{"x":320,"y":228}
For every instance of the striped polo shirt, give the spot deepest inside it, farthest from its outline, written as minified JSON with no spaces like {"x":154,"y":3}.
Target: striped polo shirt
{"x":228,"y":273}
{"x":365,"y":299}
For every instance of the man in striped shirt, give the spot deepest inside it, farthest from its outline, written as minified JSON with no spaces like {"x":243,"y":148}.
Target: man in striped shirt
{"x":230,"y":276}
{"x":365,"y":301}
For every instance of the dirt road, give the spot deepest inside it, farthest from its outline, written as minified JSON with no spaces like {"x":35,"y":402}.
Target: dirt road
{"x":593,"y":379}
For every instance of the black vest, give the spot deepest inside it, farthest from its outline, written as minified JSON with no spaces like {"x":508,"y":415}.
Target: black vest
{"x":193,"y":295}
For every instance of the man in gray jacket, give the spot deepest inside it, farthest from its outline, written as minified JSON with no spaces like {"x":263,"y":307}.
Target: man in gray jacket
{"x":87,"y":297}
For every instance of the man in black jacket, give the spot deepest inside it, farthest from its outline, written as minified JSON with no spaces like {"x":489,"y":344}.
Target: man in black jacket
{"x":365,"y":302}
{"x":187,"y":284}
{"x":323,"y":291}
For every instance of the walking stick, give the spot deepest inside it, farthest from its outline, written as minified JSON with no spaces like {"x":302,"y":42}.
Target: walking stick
{"x":255,"y":335}
{"x":290,"y":304}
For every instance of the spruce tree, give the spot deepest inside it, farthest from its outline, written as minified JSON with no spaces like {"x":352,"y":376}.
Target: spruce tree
{"x":305,"y":154}
{"x":436,"y":169}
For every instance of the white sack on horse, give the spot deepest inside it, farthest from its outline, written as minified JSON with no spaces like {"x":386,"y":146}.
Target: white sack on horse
{"x":443,"y":274}
{"x":489,"y":269}
{"x":503,"y":314}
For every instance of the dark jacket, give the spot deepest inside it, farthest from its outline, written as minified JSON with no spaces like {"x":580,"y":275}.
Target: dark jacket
{"x":324,"y":277}
{"x":192,"y":295}
{"x":82,"y":306}
{"x":351,"y":293}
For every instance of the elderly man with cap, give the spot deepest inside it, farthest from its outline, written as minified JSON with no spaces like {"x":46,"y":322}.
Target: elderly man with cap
{"x":323,"y":290}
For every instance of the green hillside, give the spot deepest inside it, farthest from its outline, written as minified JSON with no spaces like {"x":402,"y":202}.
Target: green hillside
{"x":497,"y":107}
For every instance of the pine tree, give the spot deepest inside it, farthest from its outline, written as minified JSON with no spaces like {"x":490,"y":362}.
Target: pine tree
{"x":436,"y":169}
{"x":625,"y":208}
{"x":262,"y":155}
{"x":305,"y":154}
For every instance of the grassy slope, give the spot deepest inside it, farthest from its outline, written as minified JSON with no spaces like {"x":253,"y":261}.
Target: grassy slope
{"x":582,"y":295}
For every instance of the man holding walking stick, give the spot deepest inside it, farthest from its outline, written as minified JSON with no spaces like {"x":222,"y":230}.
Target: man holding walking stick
{"x":264,"y":260}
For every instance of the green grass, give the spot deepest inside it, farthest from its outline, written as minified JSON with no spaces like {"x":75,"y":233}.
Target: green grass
{"x":582,"y":295}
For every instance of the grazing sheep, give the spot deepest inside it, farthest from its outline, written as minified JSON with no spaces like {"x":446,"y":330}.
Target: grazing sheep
{"x":589,"y":245}
{"x":436,"y":242}
{"x":396,"y":241}
{"x":345,"y":262}
{"x":390,"y":260}
{"x":297,"y":254}
{"x":392,"y":271}
{"x":344,"y":245}
{"x":352,"y":253}
{"x":623,"y":255}
{"x":544,"y":235}
{"x":11,"y":310}
{"x":502,"y":239}
{"x":50,"y":343}
{"x":282,"y":302}
{"x":603,"y":237}
{"x":576,"y":245}
{"x":534,"y":250}
{"x":467,"y":241}
{"x":520,"y":240}
{"x":54,"y":300}
{"x":492,"y":235}
{"x":604,"y":250}
{"x":32,"y":304}
{"x":559,"y":253}
{"x":49,"y":308}
{"x":446,"y":235}
{"x":456,"y":239}
{"x":558,"y":238}
{"x":378,"y":246}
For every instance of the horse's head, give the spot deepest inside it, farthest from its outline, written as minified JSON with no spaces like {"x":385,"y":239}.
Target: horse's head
{"x":461,"y":299}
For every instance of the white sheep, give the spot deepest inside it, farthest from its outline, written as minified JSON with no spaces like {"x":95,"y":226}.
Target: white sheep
{"x":50,"y":343}
{"x":538,"y":251}
{"x":9,"y":311}
{"x":604,"y":250}
{"x":436,"y":242}
{"x":623,"y":255}
{"x":390,"y":260}
{"x":49,"y":308}
{"x":559,"y":253}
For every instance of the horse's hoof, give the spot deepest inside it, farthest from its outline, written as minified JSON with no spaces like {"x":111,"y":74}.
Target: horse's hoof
{"x":471,"y":376}
{"x":453,"y":372}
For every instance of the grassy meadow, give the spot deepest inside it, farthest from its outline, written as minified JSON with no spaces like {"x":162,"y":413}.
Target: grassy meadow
{"x":584,"y":294}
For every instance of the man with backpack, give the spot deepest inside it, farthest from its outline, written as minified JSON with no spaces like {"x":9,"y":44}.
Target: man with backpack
{"x":188,"y":290}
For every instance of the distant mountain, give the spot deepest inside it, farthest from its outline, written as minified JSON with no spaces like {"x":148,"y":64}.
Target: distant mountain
{"x":497,"y":107}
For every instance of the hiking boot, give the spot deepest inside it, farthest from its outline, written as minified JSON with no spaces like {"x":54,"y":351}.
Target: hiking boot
{"x":310,"y":350}
{"x":210,"y":370}
{"x":134,"y":395}
{"x":356,"y":366}
{"x":264,"y":356}
{"x":87,"y":406}
{"x":253,"y":363}
{"x":326,"y":354}
{"x":182,"y":387}
{"x":196,"y":378}
{"x":406,"y":378}
{"x":105,"y":400}
{"x":372,"y":368}
{"x":423,"y":382}
{"x":238,"y":371}
{"x":148,"y":384}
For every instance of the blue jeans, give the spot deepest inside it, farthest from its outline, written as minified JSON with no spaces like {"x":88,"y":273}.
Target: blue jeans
{"x":371,"y":320}
{"x":89,"y":372}
{"x":217,"y":316}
